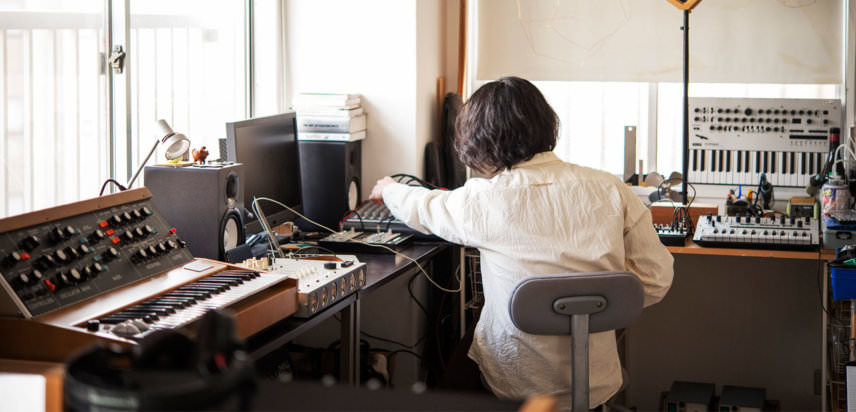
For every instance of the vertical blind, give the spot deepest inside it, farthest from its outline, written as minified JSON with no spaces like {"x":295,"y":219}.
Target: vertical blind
{"x":731,"y":41}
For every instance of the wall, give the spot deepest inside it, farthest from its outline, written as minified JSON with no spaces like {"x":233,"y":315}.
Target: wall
{"x":389,"y":51}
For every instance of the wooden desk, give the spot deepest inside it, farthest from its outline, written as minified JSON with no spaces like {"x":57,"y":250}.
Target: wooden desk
{"x":741,"y":317}
{"x":694,"y":249}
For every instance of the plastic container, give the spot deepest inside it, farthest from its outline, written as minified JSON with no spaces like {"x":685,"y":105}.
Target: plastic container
{"x":843,"y":279}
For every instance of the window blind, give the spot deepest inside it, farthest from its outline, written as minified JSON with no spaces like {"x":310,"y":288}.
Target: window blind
{"x":731,"y":41}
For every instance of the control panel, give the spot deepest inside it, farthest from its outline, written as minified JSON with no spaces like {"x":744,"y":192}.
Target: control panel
{"x":53,"y":258}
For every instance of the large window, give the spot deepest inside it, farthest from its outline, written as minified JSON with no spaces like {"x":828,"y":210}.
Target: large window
{"x":187,"y":61}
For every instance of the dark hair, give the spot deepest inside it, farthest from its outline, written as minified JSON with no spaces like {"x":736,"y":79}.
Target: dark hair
{"x":505,"y":122}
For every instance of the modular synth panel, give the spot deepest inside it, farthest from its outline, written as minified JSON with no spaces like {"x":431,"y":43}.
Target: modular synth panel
{"x":734,"y":140}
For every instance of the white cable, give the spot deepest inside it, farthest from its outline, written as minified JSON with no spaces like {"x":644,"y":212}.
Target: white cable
{"x":460,"y":284}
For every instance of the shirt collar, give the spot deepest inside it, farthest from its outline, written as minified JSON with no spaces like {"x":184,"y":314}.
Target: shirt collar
{"x":540,"y":158}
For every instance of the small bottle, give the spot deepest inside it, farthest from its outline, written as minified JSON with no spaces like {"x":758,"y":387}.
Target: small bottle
{"x":834,"y":141}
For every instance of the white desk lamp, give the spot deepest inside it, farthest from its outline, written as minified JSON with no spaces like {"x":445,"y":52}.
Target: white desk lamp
{"x":176,"y":146}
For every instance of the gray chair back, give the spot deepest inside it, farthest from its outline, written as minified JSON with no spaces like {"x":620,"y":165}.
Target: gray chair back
{"x":576,"y":304}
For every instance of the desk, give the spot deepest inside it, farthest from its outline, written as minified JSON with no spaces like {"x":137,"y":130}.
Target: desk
{"x":735,"y":317}
{"x":380,"y":269}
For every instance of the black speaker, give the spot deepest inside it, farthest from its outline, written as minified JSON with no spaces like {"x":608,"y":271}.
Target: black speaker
{"x":203,"y":203}
{"x":330,"y":184}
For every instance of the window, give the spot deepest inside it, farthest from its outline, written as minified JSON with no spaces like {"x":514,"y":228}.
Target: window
{"x":187,"y":62}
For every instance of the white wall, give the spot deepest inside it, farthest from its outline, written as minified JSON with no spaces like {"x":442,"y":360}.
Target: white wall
{"x":390,"y":52}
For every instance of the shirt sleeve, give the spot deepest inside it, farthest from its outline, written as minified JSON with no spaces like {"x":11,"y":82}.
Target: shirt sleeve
{"x":645,"y":255}
{"x":440,"y":212}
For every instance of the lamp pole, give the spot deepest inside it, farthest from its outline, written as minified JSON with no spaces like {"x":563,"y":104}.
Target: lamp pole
{"x":686,"y":108}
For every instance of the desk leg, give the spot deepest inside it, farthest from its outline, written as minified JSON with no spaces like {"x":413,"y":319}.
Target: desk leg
{"x":349,"y":352}
{"x":824,"y":381}
{"x":463,"y":294}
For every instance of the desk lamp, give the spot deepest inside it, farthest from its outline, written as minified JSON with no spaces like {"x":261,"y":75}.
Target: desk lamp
{"x":176,"y":146}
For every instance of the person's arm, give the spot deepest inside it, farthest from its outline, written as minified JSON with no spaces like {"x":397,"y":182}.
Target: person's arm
{"x":441,"y":212}
{"x":644,"y":255}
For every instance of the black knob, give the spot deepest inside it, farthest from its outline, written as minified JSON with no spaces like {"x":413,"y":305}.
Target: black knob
{"x":36,"y":275}
{"x":75,"y":275}
{"x":153,"y":251}
{"x":56,"y":235}
{"x":45,"y":262}
{"x":70,"y":231}
{"x":93,"y":325}
{"x":128,"y":235}
{"x":162,"y":248}
{"x":116,"y":220}
{"x":146,"y":211}
{"x":127,"y":217}
{"x":141,"y":255}
{"x":62,"y":280}
{"x":138,"y":232}
{"x":96,"y":236}
{"x":29,"y":243}
{"x":23,"y":279}
{"x":330,"y":265}
{"x":72,"y":253}
{"x":148,"y":229}
{"x":137,"y":215}
{"x":12,"y":259}
{"x":170,"y":244}
{"x":110,"y":254}
{"x":61,"y":257}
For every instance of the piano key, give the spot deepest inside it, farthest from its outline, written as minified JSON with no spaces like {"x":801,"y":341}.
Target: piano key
{"x":739,"y":161}
{"x":730,"y":173}
{"x":820,"y":162}
{"x":695,"y":160}
{"x":811,"y":169}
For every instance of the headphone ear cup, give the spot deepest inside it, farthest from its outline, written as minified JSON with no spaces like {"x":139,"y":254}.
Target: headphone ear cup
{"x":164,"y":349}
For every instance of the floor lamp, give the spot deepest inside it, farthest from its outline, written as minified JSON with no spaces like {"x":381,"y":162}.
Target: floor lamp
{"x":176,"y":146}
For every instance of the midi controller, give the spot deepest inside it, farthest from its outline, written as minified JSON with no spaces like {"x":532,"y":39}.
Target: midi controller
{"x":783,"y":233}
{"x":734,"y":140}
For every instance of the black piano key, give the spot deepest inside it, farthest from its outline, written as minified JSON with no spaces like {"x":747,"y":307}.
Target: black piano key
{"x":728,"y":161}
{"x":703,"y":155}
{"x":739,"y":162}
{"x":802,"y":162}
{"x":773,"y":162}
{"x":747,"y":165}
{"x":757,"y":162}
{"x":766,"y":157}
{"x":721,"y":162}
{"x":819,"y":162}
{"x":811,"y":164}
{"x":695,"y":160}
{"x":784,"y":163}
{"x":793,"y":163}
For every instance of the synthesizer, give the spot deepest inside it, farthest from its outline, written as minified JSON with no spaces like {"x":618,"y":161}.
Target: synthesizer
{"x":782,"y":233}
{"x":671,"y":236}
{"x":356,"y":241}
{"x":734,"y":140}
{"x":372,"y":217}
{"x":112,"y":269}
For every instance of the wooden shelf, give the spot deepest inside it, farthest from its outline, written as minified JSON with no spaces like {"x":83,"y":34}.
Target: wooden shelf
{"x":693,"y":249}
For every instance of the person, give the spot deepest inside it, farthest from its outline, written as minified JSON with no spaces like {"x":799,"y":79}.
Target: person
{"x":535,"y":214}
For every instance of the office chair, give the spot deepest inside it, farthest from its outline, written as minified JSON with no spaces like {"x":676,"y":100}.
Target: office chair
{"x":576,"y":304}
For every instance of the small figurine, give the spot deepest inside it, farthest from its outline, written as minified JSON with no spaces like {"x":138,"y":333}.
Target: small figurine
{"x":200,"y":155}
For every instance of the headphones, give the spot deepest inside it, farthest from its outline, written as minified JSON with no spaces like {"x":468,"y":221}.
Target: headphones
{"x":167,"y":370}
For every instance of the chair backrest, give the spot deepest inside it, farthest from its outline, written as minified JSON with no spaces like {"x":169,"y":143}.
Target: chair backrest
{"x":619,"y":295}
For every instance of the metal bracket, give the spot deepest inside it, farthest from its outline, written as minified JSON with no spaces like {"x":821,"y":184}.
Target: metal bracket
{"x":117,"y":59}
{"x":577,"y":305}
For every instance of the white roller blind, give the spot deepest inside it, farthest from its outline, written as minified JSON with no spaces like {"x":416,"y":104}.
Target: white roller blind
{"x":731,"y":41}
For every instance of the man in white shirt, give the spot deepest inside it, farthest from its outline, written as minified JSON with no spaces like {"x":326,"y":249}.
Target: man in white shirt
{"x":536,"y":215}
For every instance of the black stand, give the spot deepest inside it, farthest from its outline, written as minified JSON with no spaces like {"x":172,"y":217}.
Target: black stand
{"x":686,"y":108}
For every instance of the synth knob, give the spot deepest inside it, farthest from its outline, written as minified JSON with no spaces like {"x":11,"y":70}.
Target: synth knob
{"x":56,"y":235}
{"x":61,"y":257}
{"x":137,"y":215}
{"x":24,"y":279}
{"x":138,"y":232}
{"x":146,"y":211}
{"x":115,"y":221}
{"x":96,"y":236}
{"x":110,"y":254}
{"x":93,"y":325}
{"x":45,"y":262}
{"x":36,"y":275}
{"x":72,"y":253}
{"x":62,"y":280}
{"x":153,"y":251}
{"x":69,"y":231}
{"x":171,"y":244}
{"x":330,"y":265}
{"x":128,"y":235}
{"x":12,"y":259}
{"x":162,"y":248}
{"x":75,"y":275}
{"x":29,"y":243}
{"x":127,"y":217}
{"x":141,"y":255}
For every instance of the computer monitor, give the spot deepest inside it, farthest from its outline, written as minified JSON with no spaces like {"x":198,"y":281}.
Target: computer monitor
{"x":267,"y":146}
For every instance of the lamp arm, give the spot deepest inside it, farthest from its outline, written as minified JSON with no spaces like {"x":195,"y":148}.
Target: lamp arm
{"x":143,"y":164}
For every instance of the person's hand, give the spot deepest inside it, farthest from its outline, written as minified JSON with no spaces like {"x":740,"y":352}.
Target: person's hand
{"x":377,"y":191}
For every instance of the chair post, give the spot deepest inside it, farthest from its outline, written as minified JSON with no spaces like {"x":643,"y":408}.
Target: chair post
{"x":579,"y":362}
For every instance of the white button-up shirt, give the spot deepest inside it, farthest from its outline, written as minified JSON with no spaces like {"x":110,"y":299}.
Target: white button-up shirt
{"x":542,"y":216}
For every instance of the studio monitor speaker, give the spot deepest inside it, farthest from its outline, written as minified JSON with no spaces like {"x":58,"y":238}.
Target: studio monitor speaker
{"x":330,"y":180}
{"x":203,"y":203}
